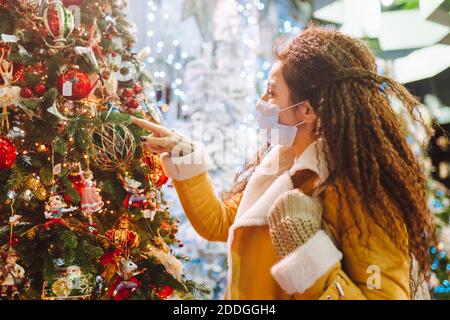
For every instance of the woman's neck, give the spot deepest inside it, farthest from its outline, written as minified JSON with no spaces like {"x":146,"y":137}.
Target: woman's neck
{"x":301,"y":143}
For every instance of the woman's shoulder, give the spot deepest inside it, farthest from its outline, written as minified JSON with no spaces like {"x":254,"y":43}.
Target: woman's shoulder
{"x":343,"y":205}
{"x":345,"y":211}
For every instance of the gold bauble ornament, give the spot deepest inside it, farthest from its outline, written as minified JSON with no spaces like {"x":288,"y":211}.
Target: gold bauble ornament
{"x":113,"y":147}
{"x":62,"y":287}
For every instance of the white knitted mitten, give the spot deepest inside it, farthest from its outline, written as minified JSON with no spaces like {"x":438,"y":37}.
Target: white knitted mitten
{"x":293,"y":219}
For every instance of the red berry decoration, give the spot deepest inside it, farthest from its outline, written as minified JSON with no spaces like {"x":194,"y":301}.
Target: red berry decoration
{"x":133,"y":103}
{"x":19,"y":73}
{"x":40,"y":89}
{"x":8,"y":153}
{"x":137,"y":88}
{"x":26,"y":93}
{"x":127,"y":93}
{"x":80,"y":82}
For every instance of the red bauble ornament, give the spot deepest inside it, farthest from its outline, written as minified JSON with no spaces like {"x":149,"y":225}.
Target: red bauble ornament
{"x":81,"y":84}
{"x":127,"y":93}
{"x":133,"y":104}
{"x":40,"y":89}
{"x":165,"y":292}
{"x":8,"y":153}
{"x":68,"y":3}
{"x":137,"y":88}
{"x":26,"y":93}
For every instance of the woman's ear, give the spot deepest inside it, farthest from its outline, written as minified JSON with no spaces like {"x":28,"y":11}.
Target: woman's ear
{"x":306,"y":112}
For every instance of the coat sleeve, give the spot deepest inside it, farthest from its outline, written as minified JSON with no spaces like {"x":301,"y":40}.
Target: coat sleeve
{"x":361,"y":265}
{"x":210,"y":217}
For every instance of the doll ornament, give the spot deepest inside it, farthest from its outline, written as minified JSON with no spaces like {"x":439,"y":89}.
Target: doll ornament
{"x":126,"y":282}
{"x":136,"y":197}
{"x":12,"y":275}
{"x":147,"y":199}
{"x":91,"y":200}
{"x":54,"y":210}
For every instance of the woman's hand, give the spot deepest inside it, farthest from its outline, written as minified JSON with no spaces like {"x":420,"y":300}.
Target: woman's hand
{"x":163,"y":140}
{"x":293,"y":219}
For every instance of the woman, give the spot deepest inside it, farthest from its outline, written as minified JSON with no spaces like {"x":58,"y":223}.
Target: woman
{"x":342,"y":214}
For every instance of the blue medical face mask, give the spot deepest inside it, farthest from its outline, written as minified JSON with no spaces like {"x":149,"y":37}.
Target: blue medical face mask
{"x":267,"y":115}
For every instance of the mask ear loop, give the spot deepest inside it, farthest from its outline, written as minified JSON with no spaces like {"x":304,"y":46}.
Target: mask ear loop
{"x":294,"y":105}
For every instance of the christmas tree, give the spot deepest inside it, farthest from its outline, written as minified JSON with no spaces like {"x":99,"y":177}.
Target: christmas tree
{"x":83,"y":214}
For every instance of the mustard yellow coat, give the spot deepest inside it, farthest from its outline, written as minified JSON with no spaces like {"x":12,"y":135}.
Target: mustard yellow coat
{"x":347,"y":262}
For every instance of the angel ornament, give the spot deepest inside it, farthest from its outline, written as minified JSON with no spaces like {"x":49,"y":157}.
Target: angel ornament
{"x":91,"y":200}
{"x":9,"y":95}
